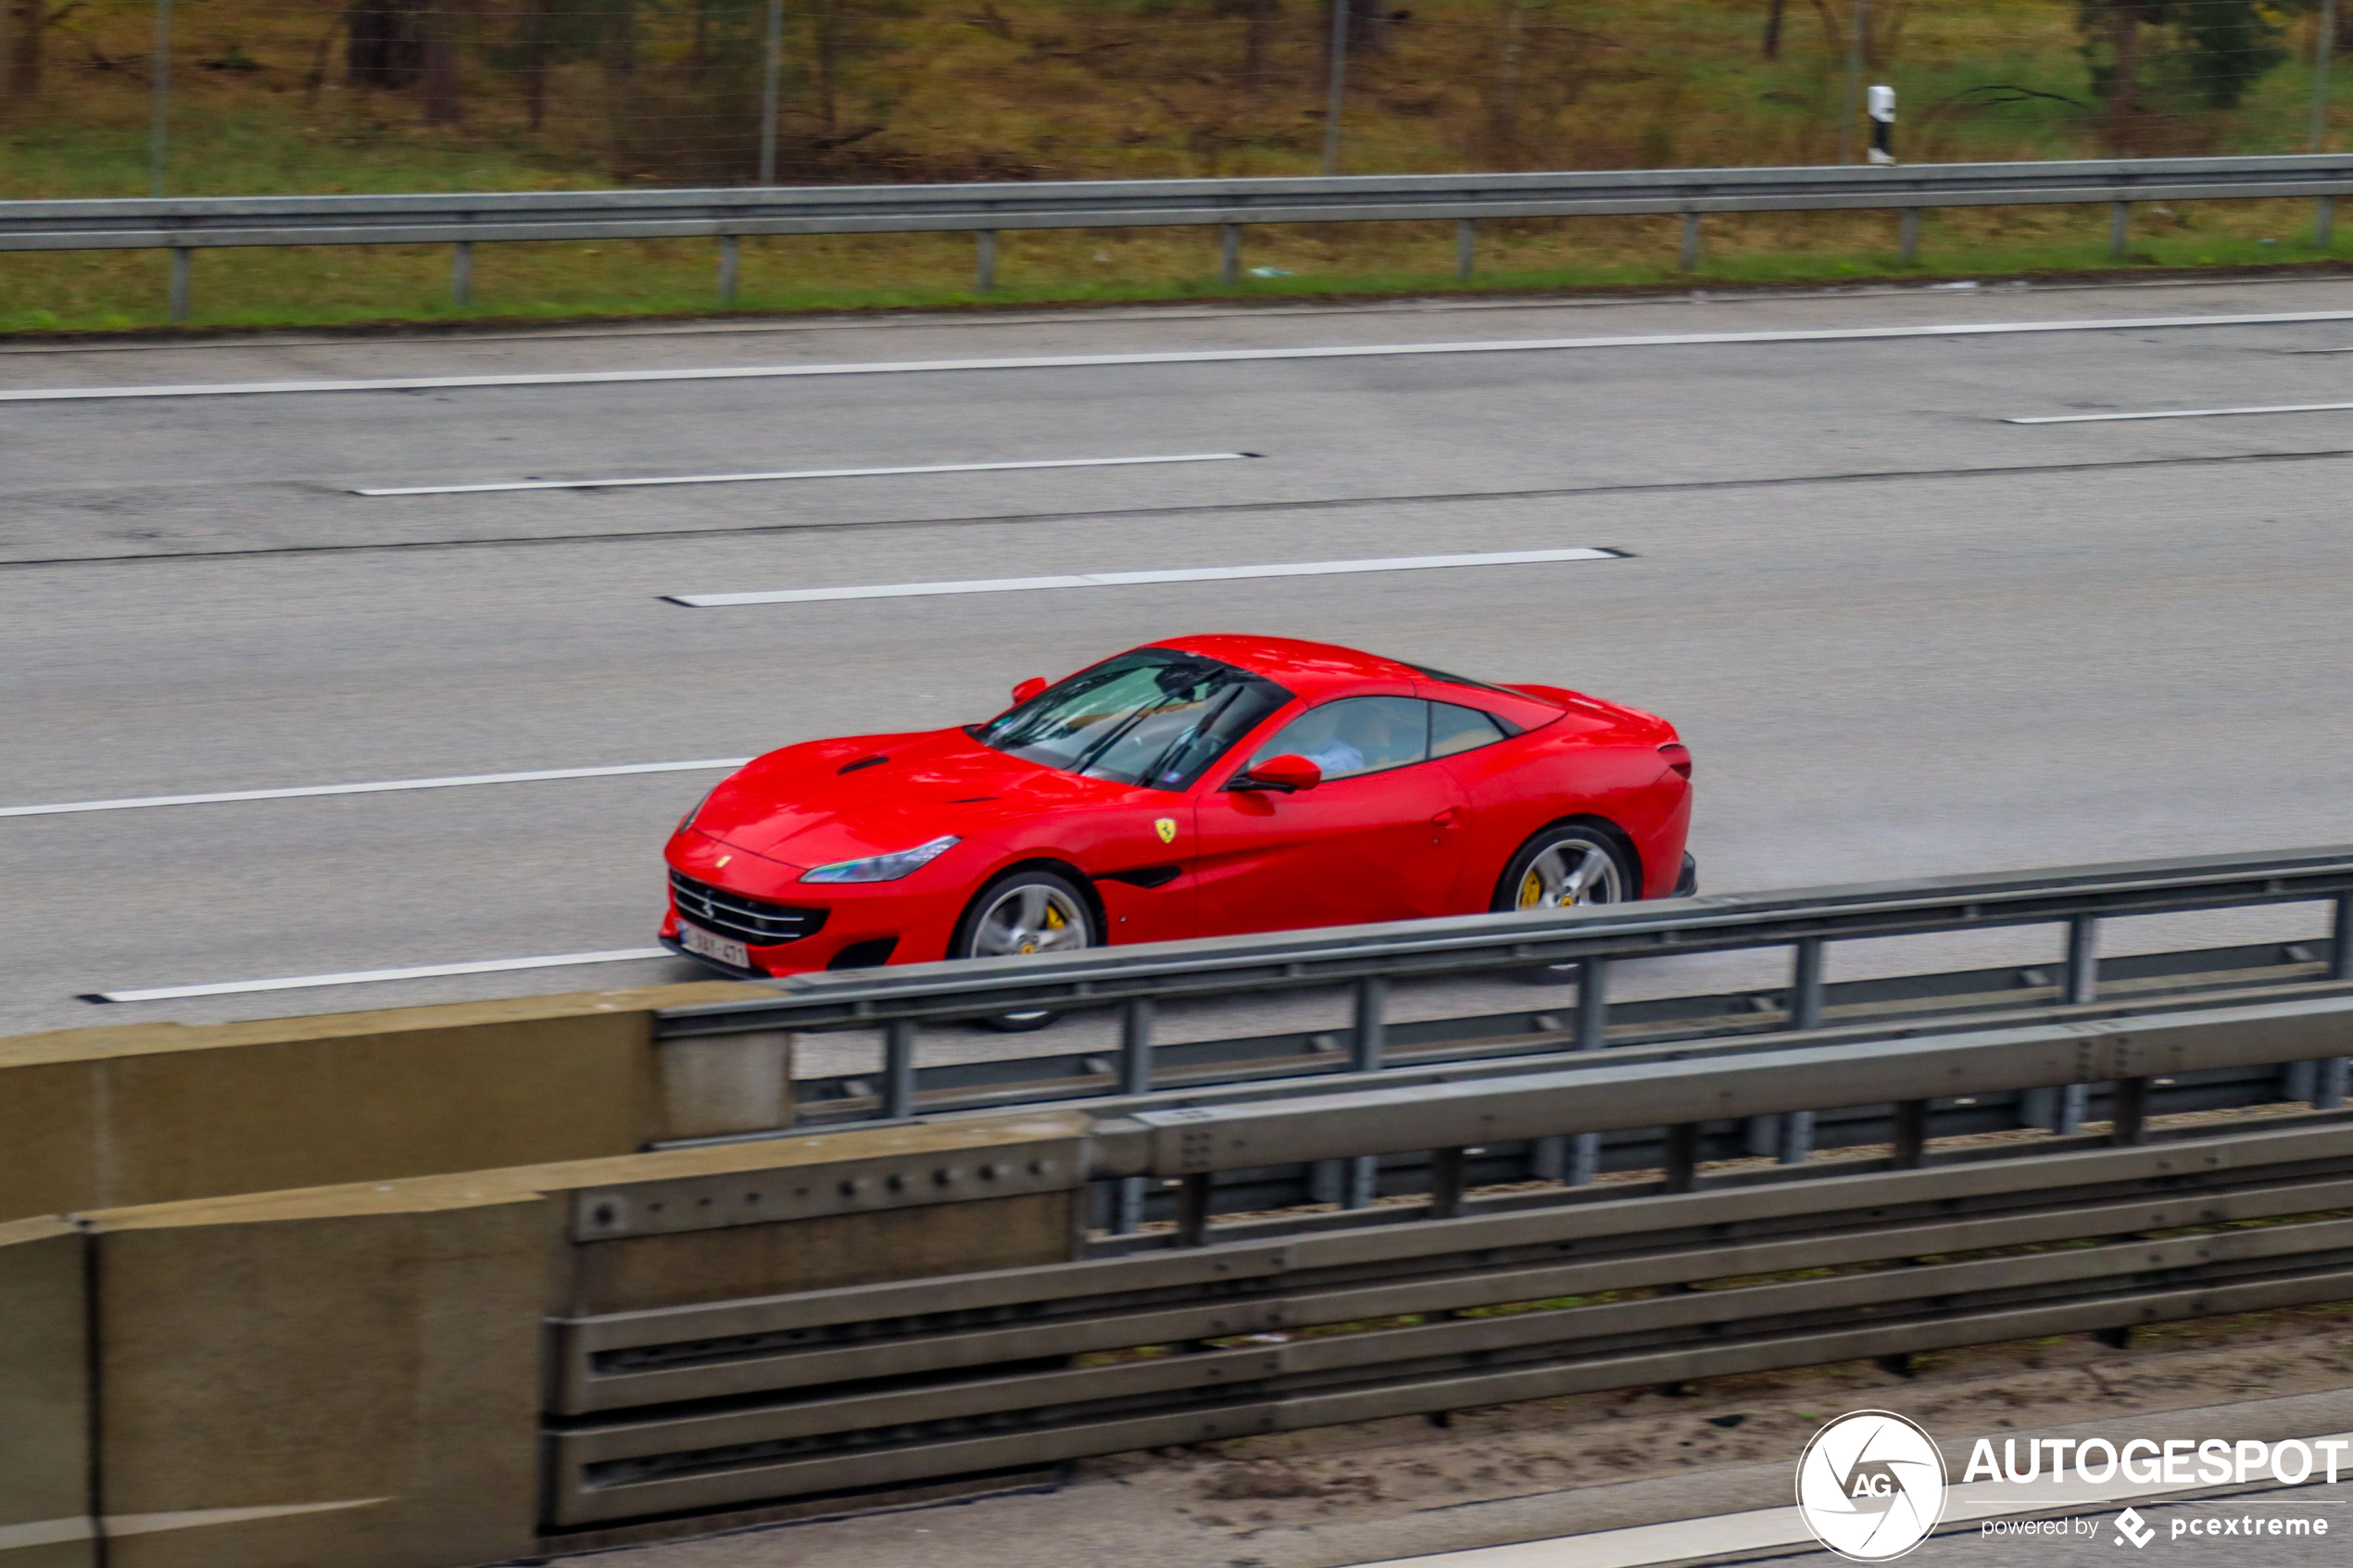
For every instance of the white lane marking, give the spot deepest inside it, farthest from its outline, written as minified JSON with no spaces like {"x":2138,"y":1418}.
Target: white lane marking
{"x":1129,"y":579}
{"x":805,"y":473}
{"x":220,"y":796}
{"x":2176,"y":414}
{"x":1184,"y":357}
{"x":370,"y":976}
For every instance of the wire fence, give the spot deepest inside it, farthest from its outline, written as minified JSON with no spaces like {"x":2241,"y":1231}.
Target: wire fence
{"x":117,"y":97}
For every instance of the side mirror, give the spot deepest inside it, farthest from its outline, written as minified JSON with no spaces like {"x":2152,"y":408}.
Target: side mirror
{"x":1029,"y":689}
{"x":1286,"y":774}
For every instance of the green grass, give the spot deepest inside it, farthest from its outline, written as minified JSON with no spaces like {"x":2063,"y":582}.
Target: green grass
{"x":351,"y":285}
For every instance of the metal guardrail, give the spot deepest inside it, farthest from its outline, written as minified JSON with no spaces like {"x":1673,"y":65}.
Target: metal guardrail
{"x":901,"y":1001}
{"x":1471,"y":1297}
{"x":183,"y":225}
{"x":1309,"y":1060}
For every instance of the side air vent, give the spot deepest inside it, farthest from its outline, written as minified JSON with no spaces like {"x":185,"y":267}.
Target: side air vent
{"x":861,"y":762}
{"x":1145,"y":876}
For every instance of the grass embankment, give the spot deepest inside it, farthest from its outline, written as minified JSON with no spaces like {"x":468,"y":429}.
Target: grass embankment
{"x":119,"y":291}
{"x":927,"y":89}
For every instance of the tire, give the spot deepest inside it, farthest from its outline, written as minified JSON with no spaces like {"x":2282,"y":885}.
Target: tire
{"x":1545,"y":873}
{"x":1031,"y":910}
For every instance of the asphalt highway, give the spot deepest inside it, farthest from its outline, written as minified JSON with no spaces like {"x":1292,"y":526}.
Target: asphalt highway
{"x":1902,"y":637}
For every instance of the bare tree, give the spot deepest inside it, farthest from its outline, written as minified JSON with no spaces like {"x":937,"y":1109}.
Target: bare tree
{"x":26,"y":23}
{"x":443,"y":30}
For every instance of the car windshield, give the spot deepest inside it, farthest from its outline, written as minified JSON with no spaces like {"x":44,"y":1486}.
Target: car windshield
{"x":1155,"y":717}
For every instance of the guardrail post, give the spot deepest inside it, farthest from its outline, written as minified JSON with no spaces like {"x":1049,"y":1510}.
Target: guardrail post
{"x":730,"y":263}
{"x":1135,"y":1078}
{"x":1229,"y":253}
{"x":2323,"y":221}
{"x":1372,"y":1027}
{"x":1136,"y":1046}
{"x":176,"y":305}
{"x":1548,"y":1159}
{"x":1911,"y":1134}
{"x":1466,"y":248}
{"x":1907,"y":235}
{"x":2129,"y":1115}
{"x":2330,"y":1094}
{"x":1683,"y":1157}
{"x":899,"y":1070}
{"x":2341,"y":939}
{"x":1445,"y":1183}
{"x":461,"y":272}
{"x":985,"y":261}
{"x":2119,"y":227}
{"x":1592,"y":1004}
{"x":2082,"y":981}
{"x":1805,"y":984}
{"x":1687,"y":259}
{"x":1798,"y":1138}
{"x":1192,"y":1209}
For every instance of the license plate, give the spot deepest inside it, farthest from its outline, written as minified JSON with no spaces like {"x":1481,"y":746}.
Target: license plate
{"x":707,"y":945}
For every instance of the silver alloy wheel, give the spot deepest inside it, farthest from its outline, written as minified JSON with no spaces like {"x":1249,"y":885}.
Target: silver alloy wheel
{"x":1569,"y":873}
{"x":1030,"y":917}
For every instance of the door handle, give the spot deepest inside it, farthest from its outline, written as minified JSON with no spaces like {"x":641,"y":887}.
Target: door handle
{"x":1451,"y":816}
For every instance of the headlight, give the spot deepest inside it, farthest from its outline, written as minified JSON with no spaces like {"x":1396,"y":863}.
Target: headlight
{"x":884,"y":867}
{"x":696,"y":810}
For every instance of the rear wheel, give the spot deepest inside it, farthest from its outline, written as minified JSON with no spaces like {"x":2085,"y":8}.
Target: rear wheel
{"x":1572,"y":866}
{"x":1030,"y":911}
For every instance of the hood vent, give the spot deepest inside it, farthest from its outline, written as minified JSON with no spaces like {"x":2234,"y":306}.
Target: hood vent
{"x":861,"y":762}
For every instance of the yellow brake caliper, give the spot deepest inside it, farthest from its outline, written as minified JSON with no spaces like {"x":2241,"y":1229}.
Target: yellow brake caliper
{"x":1531,"y":891}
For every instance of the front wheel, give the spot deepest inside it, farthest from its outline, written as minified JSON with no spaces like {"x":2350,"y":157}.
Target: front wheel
{"x":1032,"y":911}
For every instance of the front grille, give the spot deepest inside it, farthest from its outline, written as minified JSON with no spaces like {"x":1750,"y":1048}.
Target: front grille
{"x":751,"y":921}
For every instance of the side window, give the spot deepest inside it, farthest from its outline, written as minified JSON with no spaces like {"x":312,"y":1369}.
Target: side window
{"x":1454,"y":728}
{"x":1357,"y":734}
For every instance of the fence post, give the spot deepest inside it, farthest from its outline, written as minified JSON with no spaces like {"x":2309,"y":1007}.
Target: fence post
{"x":461,"y":272}
{"x":159,"y":126}
{"x":1466,"y":248}
{"x":771,"y":76}
{"x":2324,"y":221}
{"x":1687,"y":259}
{"x":2119,"y":227}
{"x":1229,"y":253}
{"x":1339,"y":86}
{"x":730,"y":264}
{"x":985,"y":262}
{"x":1908,"y":235}
{"x":178,"y":306}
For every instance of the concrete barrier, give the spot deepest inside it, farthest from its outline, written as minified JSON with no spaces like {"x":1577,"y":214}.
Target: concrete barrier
{"x":153,"y":1113}
{"x":44,"y":1405}
{"x":355,"y":1375}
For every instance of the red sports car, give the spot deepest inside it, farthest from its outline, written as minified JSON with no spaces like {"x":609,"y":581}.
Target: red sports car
{"x":1201,"y":786}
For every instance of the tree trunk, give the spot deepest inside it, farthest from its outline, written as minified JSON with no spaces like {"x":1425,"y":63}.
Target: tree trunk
{"x":538,"y":21}
{"x":25,"y":22}
{"x":1258,"y":18}
{"x":828,"y":19}
{"x":1502,"y":90}
{"x":384,"y":48}
{"x":2123,"y":84}
{"x":1774,"y":10}
{"x":443,"y":102}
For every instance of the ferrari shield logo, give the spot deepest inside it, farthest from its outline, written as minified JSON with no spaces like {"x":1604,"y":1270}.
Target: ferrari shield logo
{"x":1167,"y":828}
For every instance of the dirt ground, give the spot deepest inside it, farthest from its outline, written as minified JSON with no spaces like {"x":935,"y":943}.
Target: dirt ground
{"x":1477,"y":1477}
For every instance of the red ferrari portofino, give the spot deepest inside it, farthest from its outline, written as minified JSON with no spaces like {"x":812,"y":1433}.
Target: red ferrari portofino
{"x":1197,"y":787}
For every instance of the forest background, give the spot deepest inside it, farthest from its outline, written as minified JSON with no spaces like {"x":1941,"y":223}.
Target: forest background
{"x":264,"y":96}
